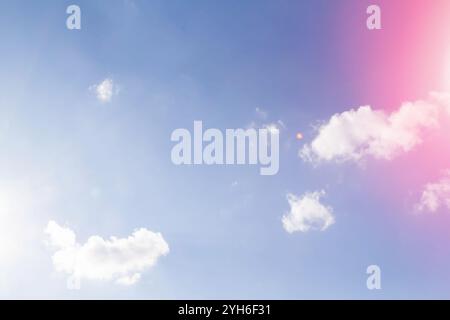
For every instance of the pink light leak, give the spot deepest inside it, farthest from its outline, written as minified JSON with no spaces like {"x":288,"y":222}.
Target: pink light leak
{"x":404,"y":60}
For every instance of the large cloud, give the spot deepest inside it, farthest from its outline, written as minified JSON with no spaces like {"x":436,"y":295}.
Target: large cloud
{"x":354,"y":134}
{"x":307,"y":213}
{"x":118,"y":259}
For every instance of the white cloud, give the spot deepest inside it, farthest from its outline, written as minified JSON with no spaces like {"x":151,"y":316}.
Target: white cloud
{"x":60,"y":237}
{"x":435,"y":195}
{"x":355,"y":134}
{"x":261,"y":113}
{"x":271,"y":127}
{"x":105,"y":90}
{"x":274,"y":127}
{"x":129,"y":280}
{"x":117,"y":259}
{"x":307,"y":213}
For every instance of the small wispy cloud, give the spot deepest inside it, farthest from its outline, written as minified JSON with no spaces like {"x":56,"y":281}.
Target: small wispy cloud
{"x":105,"y":90}
{"x":307,"y":213}
{"x":436,"y":195}
{"x":261,"y":122}
{"x":262,"y":114}
{"x":274,"y":127}
{"x":121,"y":260}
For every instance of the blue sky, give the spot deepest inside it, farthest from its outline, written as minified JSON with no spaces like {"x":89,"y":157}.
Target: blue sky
{"x":105,"y":169}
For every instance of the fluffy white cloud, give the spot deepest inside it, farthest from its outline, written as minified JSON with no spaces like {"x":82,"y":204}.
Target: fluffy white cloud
{"x":361,"y":132}
{"x":261,"y":113}
{"x":307,"y":213}
{"x":118,"y":259}
{"x":60,"y":237}
{"x":105,"y":90}
{"x":436,"y":195}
